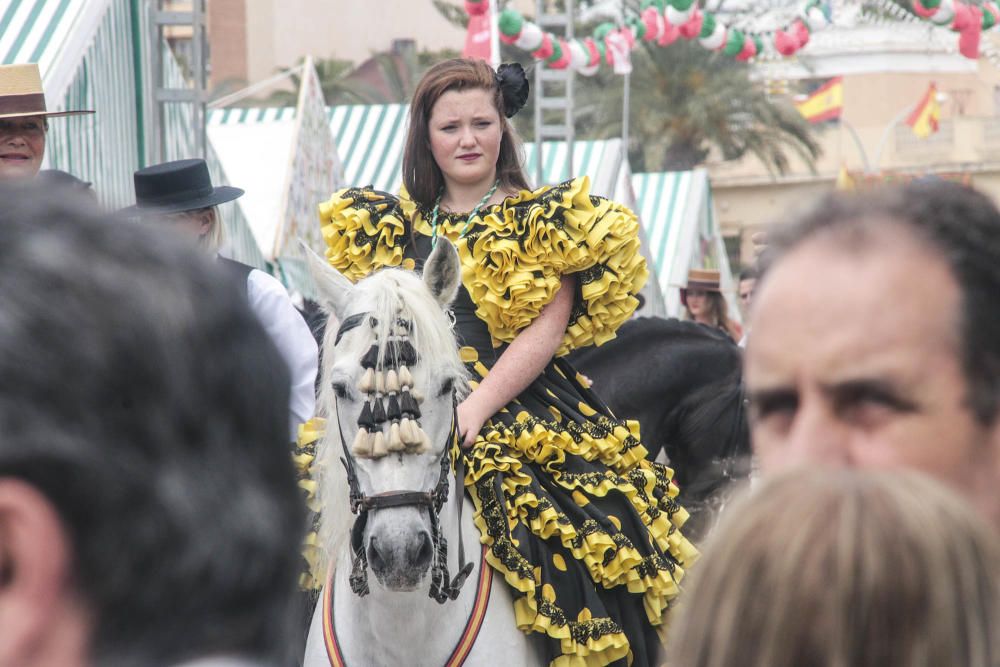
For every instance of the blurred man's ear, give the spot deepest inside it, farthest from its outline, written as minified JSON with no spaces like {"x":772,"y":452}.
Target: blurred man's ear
{"x":39,"y":615}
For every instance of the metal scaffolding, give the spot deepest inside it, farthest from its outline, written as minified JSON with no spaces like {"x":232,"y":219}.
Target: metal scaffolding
{"x":171,"y":25}
{"x":554,"y":90}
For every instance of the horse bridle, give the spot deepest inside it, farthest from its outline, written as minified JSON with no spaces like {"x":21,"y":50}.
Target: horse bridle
{"x":442,"y":587}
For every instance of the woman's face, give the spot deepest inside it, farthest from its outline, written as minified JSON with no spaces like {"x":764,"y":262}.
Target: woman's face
{"x":194,"y":223}
{"x":465,"y":131}
{"x":697,"y":303}
{"x":22,"y":146}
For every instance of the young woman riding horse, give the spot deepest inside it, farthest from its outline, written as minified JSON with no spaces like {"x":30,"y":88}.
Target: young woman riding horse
{"x":574,"y":518}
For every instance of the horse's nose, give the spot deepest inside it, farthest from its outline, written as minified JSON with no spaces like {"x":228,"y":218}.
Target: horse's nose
{"x":420,"y":551}
{"x":378,"y":560}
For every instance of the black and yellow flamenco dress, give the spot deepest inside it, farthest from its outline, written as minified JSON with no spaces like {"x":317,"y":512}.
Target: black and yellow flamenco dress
{"x":583,"y":528}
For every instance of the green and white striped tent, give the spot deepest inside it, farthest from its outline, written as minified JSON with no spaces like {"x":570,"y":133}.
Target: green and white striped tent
{"x":678,"y":216}
{"x":94,"y":54}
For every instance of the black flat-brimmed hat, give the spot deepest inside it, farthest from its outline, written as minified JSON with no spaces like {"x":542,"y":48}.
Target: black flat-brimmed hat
{"x":175,"y":187}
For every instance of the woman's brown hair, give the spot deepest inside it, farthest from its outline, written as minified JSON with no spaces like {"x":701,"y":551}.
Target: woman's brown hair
{"x":421,"y":175}
{"x":719,"y":312}
{"x":844,"y":568}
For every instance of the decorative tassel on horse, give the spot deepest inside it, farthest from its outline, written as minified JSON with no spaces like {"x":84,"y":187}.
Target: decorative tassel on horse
{"x":390,"y":397}
{"x":378,"y":410}
{"x":408,"y":405}
{"x":366,"y":384}
{"x":395,"y":438}
{"x":366,"y":420}
{"x":392,"y":409}
{"x":371,"y":357}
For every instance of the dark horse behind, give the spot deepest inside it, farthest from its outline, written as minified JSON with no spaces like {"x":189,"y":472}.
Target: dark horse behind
{"x":683,"y":383}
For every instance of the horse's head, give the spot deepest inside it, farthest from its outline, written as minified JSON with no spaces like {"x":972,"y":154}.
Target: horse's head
{"x":369,"y":378}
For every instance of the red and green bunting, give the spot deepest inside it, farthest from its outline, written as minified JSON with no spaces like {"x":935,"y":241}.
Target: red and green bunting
{"x":659,"y":22}
{"x":967,"y":19}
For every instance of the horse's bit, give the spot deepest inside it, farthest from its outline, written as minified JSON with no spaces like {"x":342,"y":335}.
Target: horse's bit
{"x":442,"y":586}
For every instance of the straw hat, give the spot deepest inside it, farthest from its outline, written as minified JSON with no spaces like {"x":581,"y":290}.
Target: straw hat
{"x":21,"y":93}
{"x":701,"y":279}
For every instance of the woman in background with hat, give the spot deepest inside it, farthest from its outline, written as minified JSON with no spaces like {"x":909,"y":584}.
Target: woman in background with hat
{"x":180,"y":195}
{"x":704,"y":303}
{"x":23,"y":121}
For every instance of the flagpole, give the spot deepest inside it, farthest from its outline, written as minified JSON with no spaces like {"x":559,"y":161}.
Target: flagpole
{"x":857,"y":142}
{"x":885,"y":135}
{"x":938,"y":98}
{"x":494,"y":35}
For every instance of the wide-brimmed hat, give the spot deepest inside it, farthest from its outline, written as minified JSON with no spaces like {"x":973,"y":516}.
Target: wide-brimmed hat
{"x":701,"y":279}
{"x":175,"y":187}
{"x":21,"y":93}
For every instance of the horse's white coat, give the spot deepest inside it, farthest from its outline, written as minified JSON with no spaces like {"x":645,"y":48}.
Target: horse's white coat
{"x":399,"y":624}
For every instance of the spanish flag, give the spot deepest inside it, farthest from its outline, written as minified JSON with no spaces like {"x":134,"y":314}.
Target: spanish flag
{"x":925,"y":116}
{"x":824,"y":104}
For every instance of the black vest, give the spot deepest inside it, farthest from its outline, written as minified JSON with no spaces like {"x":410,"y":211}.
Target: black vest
{"x":237,"y":272}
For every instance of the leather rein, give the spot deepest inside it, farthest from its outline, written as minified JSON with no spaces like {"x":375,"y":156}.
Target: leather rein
{"x":442,"y":587}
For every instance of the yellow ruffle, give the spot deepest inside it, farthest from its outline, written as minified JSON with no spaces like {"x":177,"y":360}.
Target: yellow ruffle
{"x":514,"y":257}
{"x":303,"y":457}
{"x":364,"y":231}
{"x":501,"y":451}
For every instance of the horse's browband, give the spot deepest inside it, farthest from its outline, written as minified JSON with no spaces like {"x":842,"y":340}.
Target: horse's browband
{"x":355,"y":320}
{"x":397,"y":499}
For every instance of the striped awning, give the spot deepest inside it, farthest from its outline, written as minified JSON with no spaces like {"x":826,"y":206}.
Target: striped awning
{"x":678,"y":216}
{"x":254,"y":150}
{"x":35,"y":31}
{"x":370,"y":141}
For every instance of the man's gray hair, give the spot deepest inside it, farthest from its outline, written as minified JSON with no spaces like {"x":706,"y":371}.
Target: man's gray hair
{"x":144,"y":400}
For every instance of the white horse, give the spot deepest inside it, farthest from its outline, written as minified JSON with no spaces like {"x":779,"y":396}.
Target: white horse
{"x":392,"y":619}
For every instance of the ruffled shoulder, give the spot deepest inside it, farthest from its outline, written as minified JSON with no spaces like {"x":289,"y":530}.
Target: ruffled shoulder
{"x":524,"y":246}
{"x":364,"y":230}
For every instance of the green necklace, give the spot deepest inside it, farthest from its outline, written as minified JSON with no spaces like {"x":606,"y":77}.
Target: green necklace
{"x":437,"y":206}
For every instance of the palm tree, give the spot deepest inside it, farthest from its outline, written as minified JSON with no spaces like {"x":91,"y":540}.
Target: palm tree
{"x":386,"y":77}
{"x":685,"y":101}
{"x":335,"y":81}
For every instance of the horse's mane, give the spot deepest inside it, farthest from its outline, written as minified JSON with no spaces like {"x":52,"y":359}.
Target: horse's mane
{"x":385,"y":295}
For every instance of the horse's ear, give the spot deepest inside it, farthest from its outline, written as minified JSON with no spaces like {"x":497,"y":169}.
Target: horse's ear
{"x":443,"y":272}
{"x":334,"y":288}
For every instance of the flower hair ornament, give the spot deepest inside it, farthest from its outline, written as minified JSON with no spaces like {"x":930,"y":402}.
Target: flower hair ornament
{"x":513,"y":84}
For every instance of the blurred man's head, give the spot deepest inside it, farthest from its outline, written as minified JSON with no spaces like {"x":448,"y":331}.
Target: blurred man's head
{"x":877,"y":338}
{"x":148,"y":509}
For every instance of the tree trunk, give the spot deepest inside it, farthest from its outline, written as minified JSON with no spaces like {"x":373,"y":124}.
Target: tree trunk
{"x":682,"y":155}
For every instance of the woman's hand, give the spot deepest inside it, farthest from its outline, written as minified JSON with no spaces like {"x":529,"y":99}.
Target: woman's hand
{"x":470,"y":420}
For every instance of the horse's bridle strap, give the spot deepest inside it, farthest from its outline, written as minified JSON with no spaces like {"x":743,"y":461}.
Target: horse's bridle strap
{"x":397,"y":499}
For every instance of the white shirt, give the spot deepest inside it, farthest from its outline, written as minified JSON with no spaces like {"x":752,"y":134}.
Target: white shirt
{"x":270,"y":302}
